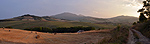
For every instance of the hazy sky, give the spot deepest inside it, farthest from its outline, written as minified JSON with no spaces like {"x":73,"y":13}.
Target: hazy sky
{"x":95,"y":8}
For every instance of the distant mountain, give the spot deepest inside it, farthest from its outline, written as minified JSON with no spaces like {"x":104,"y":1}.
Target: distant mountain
{"x":81,"y":18}
{"x":123,"y":19}
{"x":68,"y":16}
{"x":27,"y":17}
{"x":32,"y":18}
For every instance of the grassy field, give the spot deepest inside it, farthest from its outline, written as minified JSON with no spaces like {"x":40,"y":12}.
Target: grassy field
{"x":17,"y":36}
{"x":51,"y":24}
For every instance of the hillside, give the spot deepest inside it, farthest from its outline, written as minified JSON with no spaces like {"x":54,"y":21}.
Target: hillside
{"x":29,"y":17}
{"x":123,"y":19}
{"x":51,"y":24}
{"x":80,"y":18}
{"x":25,"y":17}
{"x":17,"y":36}
{"x":143,"y":27}
{"x":69,"y":17}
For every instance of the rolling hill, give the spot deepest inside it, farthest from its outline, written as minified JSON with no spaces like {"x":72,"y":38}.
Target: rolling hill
{"x":70,"y":17}
{"x":81,"y":18}
{"x":123,"y":19}
{"x":51,"y":24}
{"x":32,"y":18}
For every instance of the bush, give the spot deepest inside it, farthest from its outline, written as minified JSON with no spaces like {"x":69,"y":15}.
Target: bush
{"x":60,"y":29}
{"x":72,"y":29}
{"x":144,"y":28}
{"x":119,"y":35}
{"x":40,"y":29}
{"x":9,"y":27}
{"x":134,"y":23}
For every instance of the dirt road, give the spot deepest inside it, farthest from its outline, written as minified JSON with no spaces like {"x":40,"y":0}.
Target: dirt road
{"x":142,"y":38}
{"x":131,"y":38}
{"x":23,"y":36}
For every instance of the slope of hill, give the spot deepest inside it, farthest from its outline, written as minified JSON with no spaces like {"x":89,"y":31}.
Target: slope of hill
{"x":143,"y":27}
{"x":93,"y":20}
{"x":32,"y":18}
{"x":80,"y":18}
{"x":68,"y":16}
{"x":123,"y":19}
{"x":17,"y":36}
{"x":51,"y":24}
{"x":26,"y":17}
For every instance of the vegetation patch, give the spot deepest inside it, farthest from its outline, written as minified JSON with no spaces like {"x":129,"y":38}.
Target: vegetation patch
{"x":143,"y":28}
{"x":52,"y":24}
{"x":9,"y":27}
{"x":60,"y":29}
{"x":119,"y":35}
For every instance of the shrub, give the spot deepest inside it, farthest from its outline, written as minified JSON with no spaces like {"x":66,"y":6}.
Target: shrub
{"x":40,"y":29}
{"x":134,"y":23}
{"x":72,"y":29}
{"x":8,"y":27}
{"x":119,"y":35}
{"x":60,"y":29}
{"x":144,"y":28}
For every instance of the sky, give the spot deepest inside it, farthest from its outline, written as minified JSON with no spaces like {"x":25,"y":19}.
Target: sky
{"x":94,"y":8}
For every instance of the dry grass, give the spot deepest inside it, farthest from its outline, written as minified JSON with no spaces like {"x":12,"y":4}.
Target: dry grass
{"x":22,"y":36}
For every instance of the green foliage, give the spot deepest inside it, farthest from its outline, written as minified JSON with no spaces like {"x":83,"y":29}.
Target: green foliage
{"x":72,"y":29}
{"x":142,"y":18}
{"x":60,"y":29}
{"x":144,"y":10}
{"x":52,"y":24}
{"x":40,"y":29}
{"x":144,"y":28}
{"x":119,"y":35}
{"x":134,"y":23}
{"x":8,"y":27}
{"x":35,"y":17}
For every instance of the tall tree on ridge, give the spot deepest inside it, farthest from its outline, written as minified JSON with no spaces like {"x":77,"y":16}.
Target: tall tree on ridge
{"x":145,"y":11}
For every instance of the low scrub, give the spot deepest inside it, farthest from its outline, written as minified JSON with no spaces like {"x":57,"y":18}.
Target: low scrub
{"x":119,"y":35}
{"x":9,"y":27}
{"x":40,"y":29}
{"x":144,"y":28}
{"x":60,"y":29}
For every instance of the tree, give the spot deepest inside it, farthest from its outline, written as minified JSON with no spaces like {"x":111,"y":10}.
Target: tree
{"x":142,"y":18}
{"x":134,"y":23}
{"x":145,"y":11}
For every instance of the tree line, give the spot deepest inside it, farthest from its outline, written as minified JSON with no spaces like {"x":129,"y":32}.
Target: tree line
{"x":60,"y":29}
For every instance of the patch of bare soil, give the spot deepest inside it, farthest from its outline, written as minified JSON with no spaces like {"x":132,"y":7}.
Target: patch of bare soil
{"x":131,"y":38}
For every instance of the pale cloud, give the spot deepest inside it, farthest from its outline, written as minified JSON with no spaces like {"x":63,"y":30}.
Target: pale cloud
{"x":96,"y":8}
{"x":133,"y":3}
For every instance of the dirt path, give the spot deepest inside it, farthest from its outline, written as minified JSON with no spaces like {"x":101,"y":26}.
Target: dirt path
{"x":142,"y":38}
{"x":131,"y":39}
